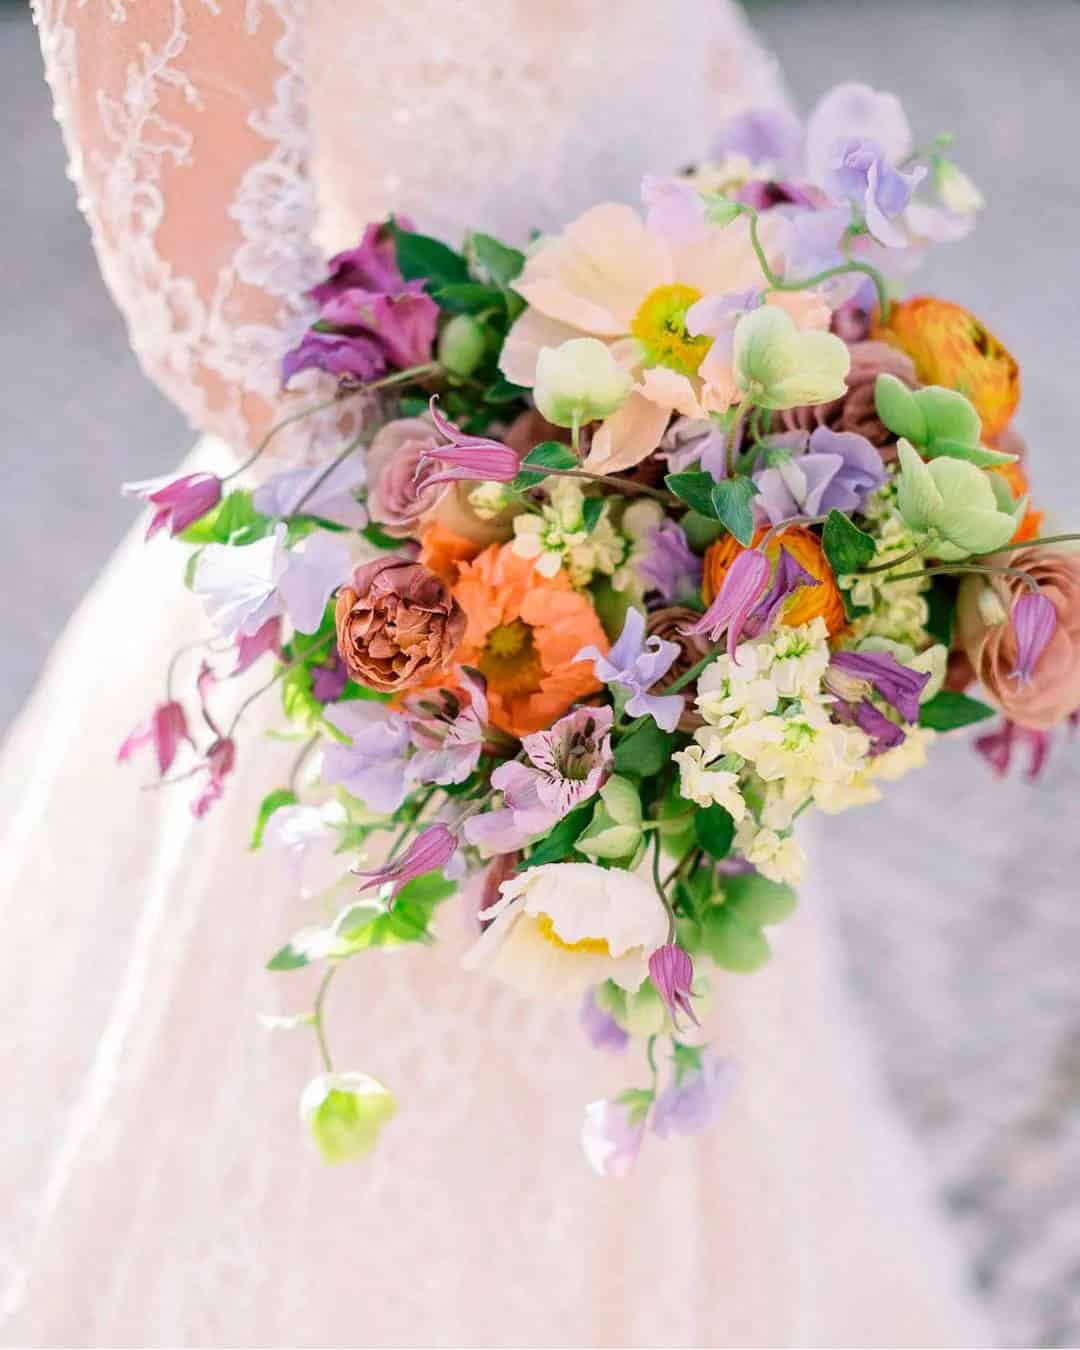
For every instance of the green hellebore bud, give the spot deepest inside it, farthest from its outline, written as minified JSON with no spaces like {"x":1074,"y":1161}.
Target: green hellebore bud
{"x":344,"y":1113}
{"x":615,"y":829}
{"x":579,"y":381}
{"x":956,"y":501}
{"x":779,"y":367}
{"x":461,"y":345}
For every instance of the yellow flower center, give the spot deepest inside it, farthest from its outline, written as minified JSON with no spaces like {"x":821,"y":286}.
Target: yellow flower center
{"x":510,"y":662}
{"x":660,"y":327}
{"x":594,"y":946}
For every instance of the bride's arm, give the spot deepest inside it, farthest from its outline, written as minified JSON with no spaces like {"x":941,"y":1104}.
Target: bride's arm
{"x":185,"y":125}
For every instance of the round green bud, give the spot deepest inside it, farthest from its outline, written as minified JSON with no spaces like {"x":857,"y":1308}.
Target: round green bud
{"x":462,"y":343}
{"x":344,"y":1113}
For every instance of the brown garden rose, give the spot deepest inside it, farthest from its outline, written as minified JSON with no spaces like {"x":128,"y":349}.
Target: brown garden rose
{"x":397,"y":625}
{"x":857,"y":411}
{"x":667,"y":624}
{"x":986,"y":635}
{"x":398,"y":498}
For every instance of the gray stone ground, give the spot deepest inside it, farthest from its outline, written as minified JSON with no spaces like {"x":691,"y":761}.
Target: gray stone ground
{"x":960,"y":902}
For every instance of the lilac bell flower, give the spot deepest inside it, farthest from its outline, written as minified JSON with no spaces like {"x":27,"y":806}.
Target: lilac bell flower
{"x":472,"y":457}
{"x":328,"y":495}
{"x":835,"y":470}
{"x":448,"y":736}
{"x":998,"y":746}
{"x":1034,"y":621}
{"x":635,"y":664}
{"x":765,"y":136}
{"x":743,"y":586}
{"x":177,"y":502}
{"x":672,"y":972}
{"x":600,"y":1027}
{"x":611,"y":1137}
{"x":373,"y":766}
{"x":695,"y":1100}
{"x":431,"y":849}
{"x":165,"y":729}
{"x":670,"y":567}
{"x":789,"y":577}
{"x":860,"y":172}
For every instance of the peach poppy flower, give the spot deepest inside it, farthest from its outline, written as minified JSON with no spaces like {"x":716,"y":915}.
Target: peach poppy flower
{"x":812,"y":602}
{"x":609,"y":276}
{"x":522,"y":633}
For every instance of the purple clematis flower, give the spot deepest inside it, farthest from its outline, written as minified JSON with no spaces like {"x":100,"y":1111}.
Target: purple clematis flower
{"x":998,"y":746}
{"x":474,"y":457}
{"x":789,"y":577}
{"x":600,"y":1027}
{"x":165,"y":729}
{"x":695,"y":1100}
{"x":328,"y":495}
{"x":860,"y":172}
{"x":448,"y":735}
{"x":670,"y":567}
{"x":635,"y":664}
{"x":611,"y":1137}
{"x":851,"y":675}
{"x":672,"y":972}
{"x":177,"y":502}
{"x":743,"y":587}
{"x":373,"y":766}
{"x":834,"y":470}
{"x":883,"y":732}
{"x":1034,"y":621}
{"x":432,"y":848}
{"x":764,"y":135}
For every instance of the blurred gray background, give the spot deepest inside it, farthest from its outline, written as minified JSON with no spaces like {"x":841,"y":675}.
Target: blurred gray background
{"x":970,"y":984}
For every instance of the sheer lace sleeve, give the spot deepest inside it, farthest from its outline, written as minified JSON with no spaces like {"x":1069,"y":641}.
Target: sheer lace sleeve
{"x":185,"y":125}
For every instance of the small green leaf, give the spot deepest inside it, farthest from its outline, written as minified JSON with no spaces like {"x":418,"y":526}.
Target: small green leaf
{"x":637,"y":1102}
{"x":733,"y":944}
{"x":421,"y":258}
{"x":714,"y":830}
{"x":847,"y":548}
{"x":731,"y":499}
{"x":700,"y":530}
{"x":267,"y":807}
{"x":591,"y":513}
{"x":469,"y":297}
{"x":501,"y":263}
{"x":559,"y":842}
{"x":758,"y":901}
{"x":502,"y":391}
{"x":696,"y":490}
{"x":288,"y":958}
{"x":233,"y":521}
{"x":546,"y":455}
{"x":374,"y":535}
{"x":898,"y":409}
{"x":644,"y":751}
{"x":949,"y":709}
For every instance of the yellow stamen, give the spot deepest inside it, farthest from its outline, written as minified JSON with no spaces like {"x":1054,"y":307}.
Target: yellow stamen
{"x":594,"y":946}
{"x":660,"y":327}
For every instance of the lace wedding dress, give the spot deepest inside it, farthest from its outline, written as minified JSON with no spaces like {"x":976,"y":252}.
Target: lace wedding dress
{"x":157,"y":1187}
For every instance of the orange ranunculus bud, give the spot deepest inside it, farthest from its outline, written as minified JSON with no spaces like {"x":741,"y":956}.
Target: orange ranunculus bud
{"x":951,"y":347}
{"x":811,"y":602}
{"x":1017,"y":480}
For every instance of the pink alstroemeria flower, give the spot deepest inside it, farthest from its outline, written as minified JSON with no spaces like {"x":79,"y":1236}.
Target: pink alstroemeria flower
{"x":177,"y":502}
{"x":473,"y":457}
{"x":672,"y":973}
{"x":1034,"y":621}
{"x":448,"y":734}
{"x":165,"y":729}
{"x":432,"y":848}
{"x":743,"y":586}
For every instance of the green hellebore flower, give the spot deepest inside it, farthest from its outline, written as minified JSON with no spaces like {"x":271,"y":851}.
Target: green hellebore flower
{"x":779,"y":367}
{"x":579,"y":381}
{"x":615,"y":829}
{"x":956,"y":501}
{"x":344,"y":1113}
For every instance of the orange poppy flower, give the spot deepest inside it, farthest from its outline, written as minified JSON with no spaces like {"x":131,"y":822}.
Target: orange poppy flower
{"x":1017,"y":480}
{"x":442,"y":550}
{"x":811,"y":602}
{"x":522,"y":633}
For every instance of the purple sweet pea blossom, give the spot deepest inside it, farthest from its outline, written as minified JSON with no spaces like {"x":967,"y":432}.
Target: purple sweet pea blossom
{"x":859,"y":172}
{"x":448,"y":735}
{"x":177,"y":502}
{"x":611,"y":1137}
{"x":788,"y":577}
{"x":1034,"y":621}
{"x":670,"y":567}
{"x":635,"y":664}
{"x":693,"y":442}
{"x":695,"y":1100}
{"x":672,"y":972}
{"x":328,"y":682}
{"x":472,"y":457}
{"x":834,"y":470}
{"x":164,"y":730}
{"x":600,"y":1027}
{"x":854,"y":110}
{"x":372,"y":265}
{"x":765,"y":136}
{"x":312,"y":573}
{"x":674,"y":209}
{"x":431,"y":849}
{"x":328,"y":495}
{"x":812,"y":240}
{"x":997,"y":747}
{"x":373,"y":766}
{"x":743,"y":586}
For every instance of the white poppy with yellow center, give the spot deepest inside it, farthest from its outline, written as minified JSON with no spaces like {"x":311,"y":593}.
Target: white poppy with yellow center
{"x":558,"y":929}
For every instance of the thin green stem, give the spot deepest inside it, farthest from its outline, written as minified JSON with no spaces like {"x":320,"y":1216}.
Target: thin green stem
{"x":351,"y":448}
{"x":660,"y":891}
{"x":695,"y":670}
{"x":949,"y":569}
{"x":650,"y":1055}
{"x":842,"y":269}
{"x":903,"y":558}
{"x":1033,"y":543}
{"x":287,"y":422}
{"x":619,"y":484}
{"x":317,"y":1019}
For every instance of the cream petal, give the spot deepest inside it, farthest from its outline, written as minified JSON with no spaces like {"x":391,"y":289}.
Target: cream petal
{"x":725,"y":260}
{"x":521,"y":349}
{"x":626,"y":438}
{"x":585,"y":901}
{"x":718,"y":376}
{"x":670,"y":390}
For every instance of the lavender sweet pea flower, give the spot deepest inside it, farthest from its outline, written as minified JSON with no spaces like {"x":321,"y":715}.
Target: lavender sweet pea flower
{"x":812,"y":241}
{"x":600,"y":1027}
{"x":472,"y":457}
{"x":312,"y":573}
{"x":851,"y":675}
{"x":635,"y":664}
{"x":674,"y":209}
{"x":743,"y":586}
{"x":765,"y":136}
{"x":670,"y":567}
{"x":672,"y":972}
{"x":330,"y":497}
{"x":855,"y":110}
{"x":790,"y":576}
{"x":859,"y":172}
{"x":177,"y":502}
{"x":373,"y":766}
{"x":1034,"y":621}
{"x":836,"y":470}
{"x":695,"y":1100}
{"x":611,"y":1137}
{"x":431,"y":849}
{"x":693,"y":442}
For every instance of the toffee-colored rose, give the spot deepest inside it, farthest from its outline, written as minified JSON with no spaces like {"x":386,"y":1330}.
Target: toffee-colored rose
{"x":397,"y":625}
{"x":668,"y":624}
{"x":857,"y":411}
{"x":400,"y":498}
{"x":1054,"y":688}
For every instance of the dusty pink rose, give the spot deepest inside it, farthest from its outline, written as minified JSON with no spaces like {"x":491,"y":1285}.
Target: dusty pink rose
{"x":399,"y":495}
{"x":856,"y":411}
{"x":1054,"y":688}
{"x":397,"y":625}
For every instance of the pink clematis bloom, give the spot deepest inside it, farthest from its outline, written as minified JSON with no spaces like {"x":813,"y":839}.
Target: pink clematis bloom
{"x":1034,"y":621}
{"x":672,"y":973}
{"x":472,"y":457}
{"x":432,"y":848}
{"x":744,"y":585}
{"x":177,"y":502}
{"x":164,"y":730}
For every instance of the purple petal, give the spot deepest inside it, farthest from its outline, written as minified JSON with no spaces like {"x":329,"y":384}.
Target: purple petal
{"x":742,"y":588}
{"x":898,"y":685}
{"x":674,"y":209}
{"x":313,"y":573}
{"x":764,"y":135}
{"x":672,"y":972}
{"x":600,"y":1027}
{"x":696,"y":1101}
{"x":432,"y":848}
{"x":790,"y":576}
{"x":1034,"y":621}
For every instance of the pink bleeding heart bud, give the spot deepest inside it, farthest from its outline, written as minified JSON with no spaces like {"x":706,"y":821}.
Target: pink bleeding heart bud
{"x":477,"y":457}
{"x":1034,"y":621}
{"x":432,"y":848}
{"x":743,"y":586}
{"x":672,"y":973}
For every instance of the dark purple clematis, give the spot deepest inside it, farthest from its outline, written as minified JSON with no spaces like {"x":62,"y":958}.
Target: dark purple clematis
{"x":328,"y":682}
{"x":672,"y":972}
{"x":789,"y":577}
{"x":432,"y":848}
{"x":883,"y":732}
{"x":852,"y":675}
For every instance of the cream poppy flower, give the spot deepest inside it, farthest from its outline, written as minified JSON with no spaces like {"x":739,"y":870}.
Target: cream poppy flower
{"x":563,"y":927}
{"x":609,"y":276}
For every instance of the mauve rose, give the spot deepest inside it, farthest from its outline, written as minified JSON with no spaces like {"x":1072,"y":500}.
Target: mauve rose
{"x":397,"y":625}
{"x":668,"y":624}
{"x":1054,"y":689}
{"x":856,"y":411}
{"x":399,"y":499}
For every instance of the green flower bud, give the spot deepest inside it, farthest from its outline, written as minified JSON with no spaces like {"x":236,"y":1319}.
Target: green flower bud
{"x":462,"y":343}
{"x":578,"y":382}
{"x":615,"y":829}
{"x":345,"y":1112}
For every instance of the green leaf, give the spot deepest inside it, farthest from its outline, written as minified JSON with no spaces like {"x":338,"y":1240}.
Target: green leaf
{"x":644,"y":751}
{"x":758,"y":901}
{"x":733,"y":944}
{"x":941,"y":604}
{"x":501,"y":263}
{"x":714,"y":830}
{"x":374,"y":535}
{"x":696,"y":490}
{"x":591,"y":513}
{"x":233,"y":521}
{"x":502,"y":391}
{"x":731,"y":499}
{"x":288,"y":958}
{"x":847,"y":548}
{"x":897,"y":407}
{"x":267,"y":807}
{"x":469,"y":297}
{"x":637,"y":1102}
{"x":546,"y":455}
{"x":974,"y":454}
{"x":559,"y":842}
{"x":700,"y":530}
{"x":422,"y":258}
{"x":948,"y":710}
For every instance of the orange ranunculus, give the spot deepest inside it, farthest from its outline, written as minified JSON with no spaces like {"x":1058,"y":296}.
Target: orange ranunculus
{"x":1017,"y":480}
{"x":951,"y":347}
{"x":522,"y":633}
{"x":811,"y":602}
{"x":442,"y":551}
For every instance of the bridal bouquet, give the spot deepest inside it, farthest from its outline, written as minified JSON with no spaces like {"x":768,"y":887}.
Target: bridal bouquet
{"x":641,"y":543}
